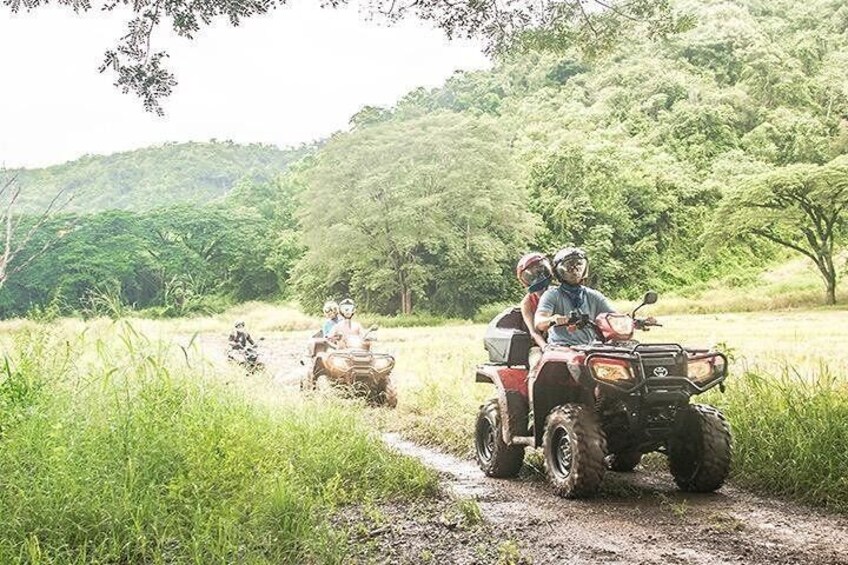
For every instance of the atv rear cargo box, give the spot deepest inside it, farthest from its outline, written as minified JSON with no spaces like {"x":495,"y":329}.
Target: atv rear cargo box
{"x":507,"y":339}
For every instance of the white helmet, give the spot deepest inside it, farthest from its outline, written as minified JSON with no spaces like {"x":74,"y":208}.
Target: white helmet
{"x":347,"y":308}
{"x":330,"y":307}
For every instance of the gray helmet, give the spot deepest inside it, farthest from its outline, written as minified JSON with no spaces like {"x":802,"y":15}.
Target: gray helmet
{"x":571,"y":265}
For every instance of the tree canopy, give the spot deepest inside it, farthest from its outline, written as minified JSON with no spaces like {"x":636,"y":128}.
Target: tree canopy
{"x":803,"y":207}
{"x":427,"y":211}
{"x":140,"y":67}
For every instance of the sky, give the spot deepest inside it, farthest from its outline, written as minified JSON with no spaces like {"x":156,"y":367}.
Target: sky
{"x":290,"y":77}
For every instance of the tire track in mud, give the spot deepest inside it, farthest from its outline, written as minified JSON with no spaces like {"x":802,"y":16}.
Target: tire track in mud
{"x":653,"y":523}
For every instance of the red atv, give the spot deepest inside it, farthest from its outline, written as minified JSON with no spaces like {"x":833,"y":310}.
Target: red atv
{"x":601,"y":405}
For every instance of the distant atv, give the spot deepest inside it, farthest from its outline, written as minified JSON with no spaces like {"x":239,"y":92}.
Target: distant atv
{"x":353,"y":366}
{"x":601,"y":406}
{"x":248,"y":357}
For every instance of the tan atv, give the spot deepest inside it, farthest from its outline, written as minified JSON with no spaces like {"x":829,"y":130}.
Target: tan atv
{"x":351,"y":365}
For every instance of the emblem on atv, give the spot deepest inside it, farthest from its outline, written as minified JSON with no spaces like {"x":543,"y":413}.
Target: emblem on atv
{"x":660,"y":372}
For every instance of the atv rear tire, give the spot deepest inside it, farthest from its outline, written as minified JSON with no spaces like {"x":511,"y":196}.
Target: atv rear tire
{"x":623,"y":462}
{"x":700,"y":449}
{"x":494,"y":456}
{"x":574,"y":446}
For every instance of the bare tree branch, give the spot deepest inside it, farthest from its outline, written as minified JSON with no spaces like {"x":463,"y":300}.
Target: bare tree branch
{"x":13,"y":246}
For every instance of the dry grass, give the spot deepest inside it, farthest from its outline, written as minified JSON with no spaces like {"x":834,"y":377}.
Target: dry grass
{"x":795,"y":284}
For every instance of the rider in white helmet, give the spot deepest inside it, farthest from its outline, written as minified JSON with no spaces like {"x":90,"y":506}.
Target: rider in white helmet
{"x":346,"y":327}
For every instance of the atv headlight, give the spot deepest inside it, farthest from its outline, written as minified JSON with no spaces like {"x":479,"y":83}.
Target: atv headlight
{"x":611,"y":370}
{"x":382,"y":363}
{"x":338,"y":363}
{"x":702,"y":371}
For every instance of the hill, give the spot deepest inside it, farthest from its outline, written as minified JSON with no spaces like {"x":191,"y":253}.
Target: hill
{"x":154,"y":177}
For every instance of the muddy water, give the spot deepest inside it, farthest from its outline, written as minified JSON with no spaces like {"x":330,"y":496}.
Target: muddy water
{"x":639,"y":518}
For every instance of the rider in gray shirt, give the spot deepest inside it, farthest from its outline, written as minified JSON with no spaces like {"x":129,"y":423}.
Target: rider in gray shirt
{"x":570,"y":267}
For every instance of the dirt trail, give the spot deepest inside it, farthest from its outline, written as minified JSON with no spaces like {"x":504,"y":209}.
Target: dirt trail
{"x":642,"y":518}
{"x":639,"y":518}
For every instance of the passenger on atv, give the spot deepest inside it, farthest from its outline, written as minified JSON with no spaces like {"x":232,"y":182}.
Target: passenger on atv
{"x":534,"y":272}
{"x":331,"y":313}
{"x":344,"y":334}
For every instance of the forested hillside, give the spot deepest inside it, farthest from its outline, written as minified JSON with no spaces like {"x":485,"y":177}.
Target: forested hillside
{"x":153,"y":177}
{"x":673,"y":162}
{"x":629,"y":155}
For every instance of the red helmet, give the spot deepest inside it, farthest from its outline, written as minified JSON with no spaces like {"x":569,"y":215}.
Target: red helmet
{"x":534,"y":271}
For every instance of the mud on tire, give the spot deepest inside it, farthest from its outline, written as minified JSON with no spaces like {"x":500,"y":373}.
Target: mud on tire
{"x":574,"y":447}
{"x":700,"y":449}
{"x":494,"y":456}
{"x":307,"y":379}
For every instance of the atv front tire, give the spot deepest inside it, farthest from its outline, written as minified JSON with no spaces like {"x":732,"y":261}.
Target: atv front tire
{"x":494,"y":456}
{"x":700,"y":449}
{"x":574,"y":446}
{"x":388,"y":397}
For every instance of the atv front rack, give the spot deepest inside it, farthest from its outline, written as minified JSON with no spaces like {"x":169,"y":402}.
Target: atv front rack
{"x":660,"y":370}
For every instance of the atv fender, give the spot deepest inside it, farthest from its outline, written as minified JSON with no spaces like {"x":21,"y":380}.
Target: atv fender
{"x":511,"y":385}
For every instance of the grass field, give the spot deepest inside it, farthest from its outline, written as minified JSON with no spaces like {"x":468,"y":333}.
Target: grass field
{"x":117,"y":448}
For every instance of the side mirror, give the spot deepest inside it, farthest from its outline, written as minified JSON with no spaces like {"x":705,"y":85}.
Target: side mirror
{"x":650,"y":298}
{"x":373,"y":328}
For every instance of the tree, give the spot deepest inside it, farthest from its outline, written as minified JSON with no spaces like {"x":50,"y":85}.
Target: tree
{"x":406,"y":210}
{"x":802,"y":207}
{"x":140,"y":69}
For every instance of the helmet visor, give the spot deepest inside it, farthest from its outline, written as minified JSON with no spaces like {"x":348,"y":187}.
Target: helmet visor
{"x":347,"y":310}
{"x":572,"y":268}
{"x":536,"y":273}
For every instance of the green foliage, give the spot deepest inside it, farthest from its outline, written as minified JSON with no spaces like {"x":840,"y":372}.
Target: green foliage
{"x":641,"y":154}
{"x":425,"y":211}
{"x":129,"y":455}
{"x":803,"y":207}
{"x":172,"y":261}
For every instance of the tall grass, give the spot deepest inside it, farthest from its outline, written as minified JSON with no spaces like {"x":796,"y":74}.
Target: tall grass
{"x":791,"y":434}
{"x":435,"y":379}
{"x":119,"y":449}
